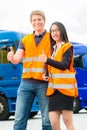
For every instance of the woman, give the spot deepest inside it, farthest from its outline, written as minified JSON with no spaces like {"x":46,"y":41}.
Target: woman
{"x":62,"y":83}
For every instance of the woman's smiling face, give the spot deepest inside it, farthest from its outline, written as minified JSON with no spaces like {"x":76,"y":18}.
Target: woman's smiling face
{"x":55,"y":33}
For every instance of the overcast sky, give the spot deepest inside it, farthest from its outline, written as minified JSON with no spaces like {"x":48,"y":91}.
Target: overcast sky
{"x":14,"y":15}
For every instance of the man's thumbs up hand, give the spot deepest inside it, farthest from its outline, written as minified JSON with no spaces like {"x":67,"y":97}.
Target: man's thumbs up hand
{"x":11,"y":49}
{"x":10,"y":54}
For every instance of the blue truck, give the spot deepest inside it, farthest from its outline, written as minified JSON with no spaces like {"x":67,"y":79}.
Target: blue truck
{"x":80,"y":64}
{"x":10,"y":76}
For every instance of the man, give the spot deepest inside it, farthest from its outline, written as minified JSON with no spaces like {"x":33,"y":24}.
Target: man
{"x":32,"y":83}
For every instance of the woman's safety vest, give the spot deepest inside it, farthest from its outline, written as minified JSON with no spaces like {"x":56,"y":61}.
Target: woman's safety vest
{"x":63,"y":80}
{"x":32,"y":67}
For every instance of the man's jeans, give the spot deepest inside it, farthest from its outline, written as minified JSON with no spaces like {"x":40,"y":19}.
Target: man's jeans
{"x":26,"y":94}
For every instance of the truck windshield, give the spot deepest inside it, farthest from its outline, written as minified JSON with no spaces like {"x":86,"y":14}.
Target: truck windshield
{"x":3,"y":55}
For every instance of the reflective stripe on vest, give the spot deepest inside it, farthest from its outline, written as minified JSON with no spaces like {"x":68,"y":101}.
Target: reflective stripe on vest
{"x":62,"y":75}
{"x":63,"y":86}
{"x":33,"y":70}
{"x":31,"y":59}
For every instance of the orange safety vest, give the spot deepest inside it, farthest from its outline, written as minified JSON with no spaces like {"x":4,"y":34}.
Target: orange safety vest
{"x":63,"y":80}
{"x":32,"y":67}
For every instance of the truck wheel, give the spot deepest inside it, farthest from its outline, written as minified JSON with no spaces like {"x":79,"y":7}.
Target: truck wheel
{"x":33,"y":114}
{"x":4,"y":114}
{"x":76,"y":106}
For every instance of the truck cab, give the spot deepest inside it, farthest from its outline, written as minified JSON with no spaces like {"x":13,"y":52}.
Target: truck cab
{"x":80,"y":64}
{"x":10,"y":76}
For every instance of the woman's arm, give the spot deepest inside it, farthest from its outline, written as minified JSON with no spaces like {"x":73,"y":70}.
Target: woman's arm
{"x":64,"y":64}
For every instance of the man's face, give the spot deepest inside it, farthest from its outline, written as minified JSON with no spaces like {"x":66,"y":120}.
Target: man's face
{"x":38,"y":23}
